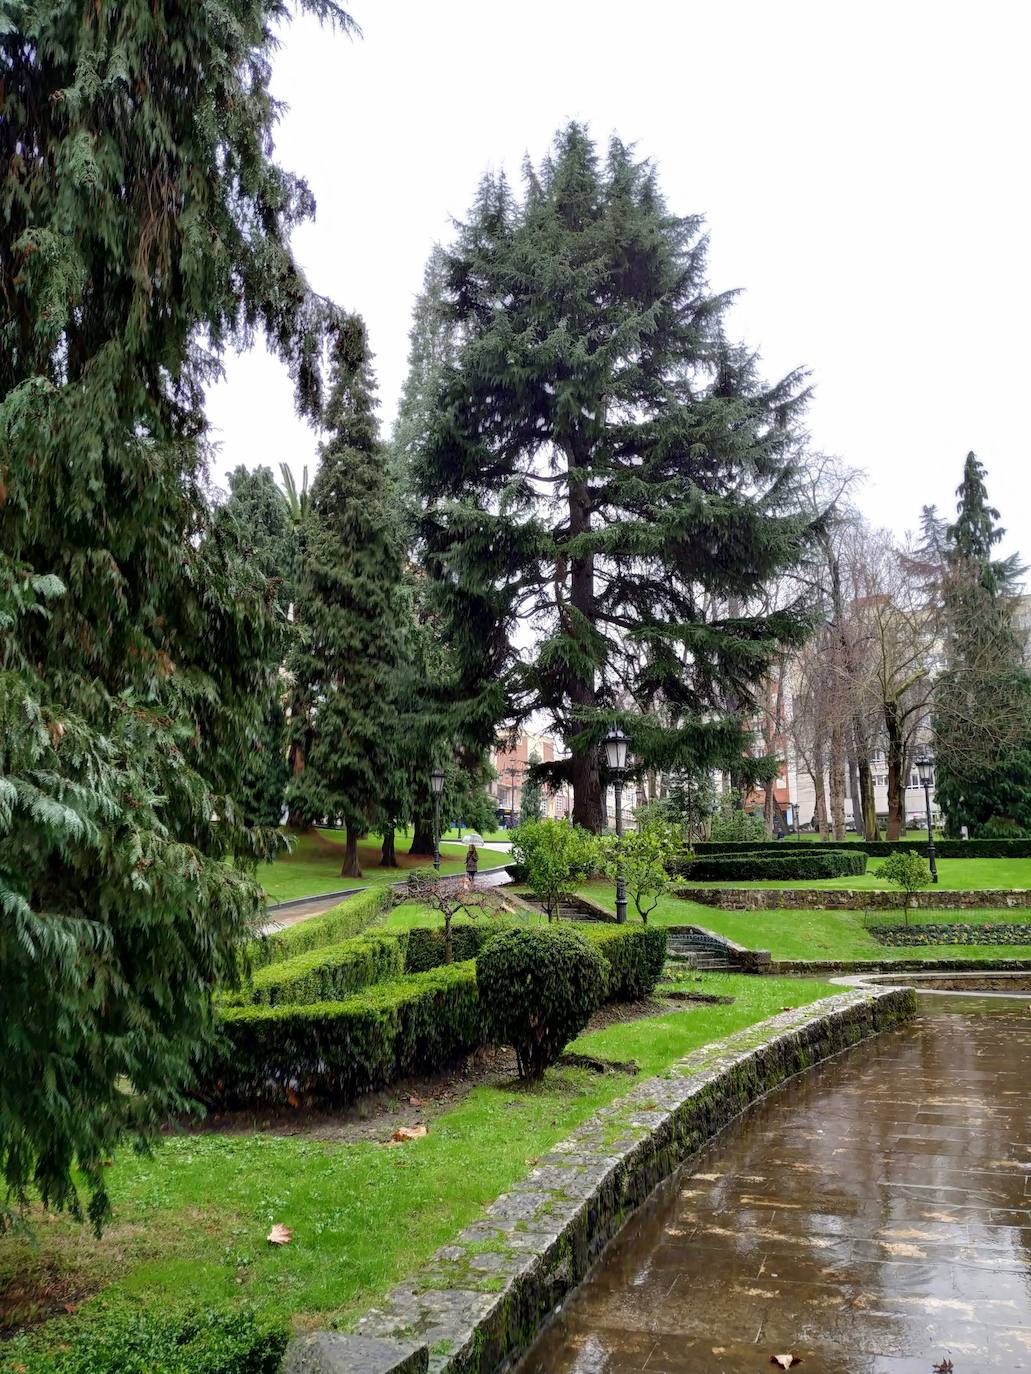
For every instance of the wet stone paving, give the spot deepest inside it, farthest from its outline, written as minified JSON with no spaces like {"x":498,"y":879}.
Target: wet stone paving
{"x":873,"y":1216}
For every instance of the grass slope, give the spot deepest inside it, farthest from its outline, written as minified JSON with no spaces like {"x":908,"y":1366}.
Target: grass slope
{"x":957,"y":874}
{"x":190,"y":1222}
{"x":313,"y":866}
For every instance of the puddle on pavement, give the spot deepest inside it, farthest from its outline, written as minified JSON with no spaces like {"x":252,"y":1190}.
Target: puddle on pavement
{"x":872,"y":1217}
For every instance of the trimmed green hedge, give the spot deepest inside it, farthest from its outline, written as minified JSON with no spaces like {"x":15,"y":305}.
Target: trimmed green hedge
{"x":634,"y":956}
{"x":145,"y":1342}
{"x":338,"y":1050}
{"x":342,"y":922}
{"x":799,"y":864}
{"x":879,"y":849}
{"x":326,"y":975}
{"x":423,"y":946}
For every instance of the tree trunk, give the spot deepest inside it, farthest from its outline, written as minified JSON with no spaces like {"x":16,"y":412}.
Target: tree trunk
{"x":351,"y":867}
{"x":588,"y":806}
{"x":422,"y":838}
{"x":819,"y":787}
{"x":388,"y":858}
{"x":769,"y":808}
{"x":858,"y":813}
{"x":837,"y":780}
{"x":896,"y":755}
{"x":871,"y":830}
{"x":653,"y":785}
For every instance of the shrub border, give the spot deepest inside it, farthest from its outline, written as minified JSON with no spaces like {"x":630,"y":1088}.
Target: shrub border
{"x":877,"y":849}
{"x":482,"y":1300}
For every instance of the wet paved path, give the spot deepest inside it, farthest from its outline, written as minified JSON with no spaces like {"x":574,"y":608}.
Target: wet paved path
{"x":873,"y":1217}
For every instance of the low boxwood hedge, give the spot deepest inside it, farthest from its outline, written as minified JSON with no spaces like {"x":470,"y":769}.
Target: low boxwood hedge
{"x":878,"y":849}
{"x":634,"y":956}
{"x":338,"y":1050}
{"x":424,"y":945}
{"x":325,"y":975}
{"x":349,"y":918}
{"x":797,"y":864}
{"x":142,"y":1342}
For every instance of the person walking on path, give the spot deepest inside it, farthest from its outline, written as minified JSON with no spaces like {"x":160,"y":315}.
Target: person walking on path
{"x":472,"y":863}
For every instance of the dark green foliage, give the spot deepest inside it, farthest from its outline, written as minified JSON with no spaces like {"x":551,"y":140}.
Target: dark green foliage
{"x":634,"y":959}
{"x":425,"y":946}
{"x":953,"y":933}
{"x":330,"y":974}
{"x":540,"y":988}
{"x":350,"y":606}
{"x":531,"y":797}
{"x":335,"y":1051}
{"x":603,"y":462}
{"x":982,"y":701}
{"x":351,"y":917}
{"x":150,"y":1342}
{"x":776,"y":865}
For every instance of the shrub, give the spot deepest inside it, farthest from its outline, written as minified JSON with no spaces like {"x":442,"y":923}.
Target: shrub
{"x":908,"y":871}
{"x":882,"y":849}
{"x":634,"y":959}
{"x":732,"y":823}
{"x":645,"y":856}
{"x":132,"y":1342}
{"x":330,"y":974}
{"x":776,"y":865}
{"x":341,"y":922}
{"x":426,"y":946}
{"x":338,"y":1050}
{"x":541,"y":988}
{"x":555,"y":858}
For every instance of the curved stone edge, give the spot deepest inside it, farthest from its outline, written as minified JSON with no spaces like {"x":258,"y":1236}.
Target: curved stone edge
{"x":897,"y":967}
{"x":479,"y":1303}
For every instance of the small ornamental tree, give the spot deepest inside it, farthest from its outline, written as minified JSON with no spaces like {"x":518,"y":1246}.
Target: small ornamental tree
{"x":734,"y":824}
{"x":909,"y":872}
{"x":556,"y":858}
{"x":646,"y":856}
{"x":540,"y":988}
{"x":450,"y":896}
{"x":531,"y":800}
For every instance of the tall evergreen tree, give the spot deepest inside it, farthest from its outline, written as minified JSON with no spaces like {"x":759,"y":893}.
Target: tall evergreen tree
{"x":259,"y":512}
{"x":982,"y":703}
{"x":604,"y":467}
{"x":143,"y":230}
{"x":350,"y":609}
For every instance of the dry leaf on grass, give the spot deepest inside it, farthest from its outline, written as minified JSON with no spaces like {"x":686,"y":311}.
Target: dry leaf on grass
{"x":280,"y":1235}
{"x":416,"y":1102}
{"x":945,"y":1367}
{"x":409,"y":1133}
{"x":785,"y":1361}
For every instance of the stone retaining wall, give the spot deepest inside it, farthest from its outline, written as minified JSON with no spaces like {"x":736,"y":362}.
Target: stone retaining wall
{"x":815,"y":968}
{"x":851,"y":899}
{"x":481,"y":1301}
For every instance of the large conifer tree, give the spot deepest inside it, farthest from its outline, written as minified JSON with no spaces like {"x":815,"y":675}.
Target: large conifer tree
{"x":351,"y":611}
{"x":605,"y":469}
{"x":982,"y":702}
{"x":143,"y":229}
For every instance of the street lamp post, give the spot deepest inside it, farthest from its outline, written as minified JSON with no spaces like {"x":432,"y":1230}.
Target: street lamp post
{"x":925,"y":770}
{"x":615,"y":750}
{"x":436,"y":787}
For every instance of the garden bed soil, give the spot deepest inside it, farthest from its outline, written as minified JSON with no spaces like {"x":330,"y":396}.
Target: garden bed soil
{"x":409,"y":1102}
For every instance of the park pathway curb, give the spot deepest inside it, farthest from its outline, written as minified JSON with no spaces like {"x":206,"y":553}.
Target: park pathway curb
{"x":479,"y":1303}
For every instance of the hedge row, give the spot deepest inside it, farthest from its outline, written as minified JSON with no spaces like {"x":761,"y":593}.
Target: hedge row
{"x":416,"y":1024}
{"x":880,"y":849}
{"x":342,"y":922}
{"x":338,"y":1050}
{"x":778,"y":866}
{"x":423,"y":947}
{"x":170,"y":1342}
{"x":325,"y":975}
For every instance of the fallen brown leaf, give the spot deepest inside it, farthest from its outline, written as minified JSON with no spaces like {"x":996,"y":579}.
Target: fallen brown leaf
{"x":280,"y":1235}
{"x":785,"y":1361}
{"x":71,"y":1307}
{"x":946,"y":1365}
{"x":409,"y":1133}
{"x":416,"y":1102}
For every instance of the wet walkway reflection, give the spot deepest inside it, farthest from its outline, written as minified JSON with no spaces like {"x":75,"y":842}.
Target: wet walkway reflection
{"x":873,"y":1217}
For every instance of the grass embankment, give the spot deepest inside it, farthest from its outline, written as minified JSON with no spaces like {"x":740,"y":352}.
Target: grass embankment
{"x":190,"y":1221}
{"x":313,"y":866}
{"x":964,"y":875}
{"x":824,"y":934}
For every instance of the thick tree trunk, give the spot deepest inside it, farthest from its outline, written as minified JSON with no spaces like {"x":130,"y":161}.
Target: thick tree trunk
{"x":422,"y":838}
{"x":388,"y":857}
{"x":769,"y":808}
{"x":588,"y":806}
{"x":837,"y":781}
{"x":871,"y":830}
{"x":896,"y":757}
{"x":351,"y":867}
{"x":819,"y":787}
{"x":858,"y":814}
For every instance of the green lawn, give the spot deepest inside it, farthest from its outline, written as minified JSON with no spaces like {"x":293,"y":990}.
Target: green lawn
{"x":957,"y":874}
{"x":190,"y":1221}
{"x":821,"y":934}
{"x":312,"y":867}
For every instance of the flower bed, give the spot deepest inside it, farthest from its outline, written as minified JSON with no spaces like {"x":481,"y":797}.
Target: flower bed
{"x":1005,"y":933}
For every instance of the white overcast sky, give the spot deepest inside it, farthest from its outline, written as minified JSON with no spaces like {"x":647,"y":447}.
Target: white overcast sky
{"x":863,"y":169}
